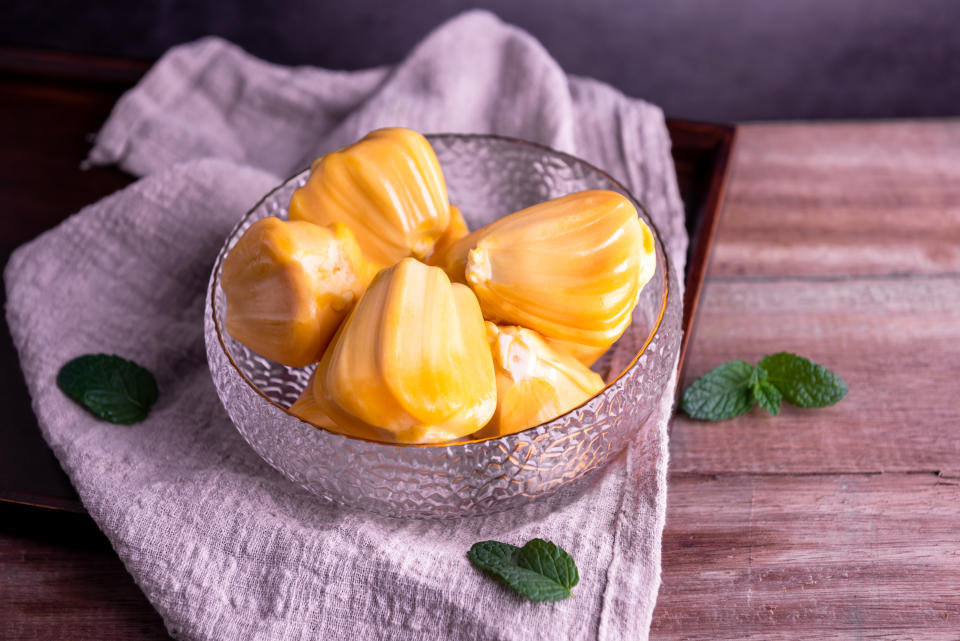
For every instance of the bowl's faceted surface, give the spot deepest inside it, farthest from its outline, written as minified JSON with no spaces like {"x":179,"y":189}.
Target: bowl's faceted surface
{"x":487,"y":177}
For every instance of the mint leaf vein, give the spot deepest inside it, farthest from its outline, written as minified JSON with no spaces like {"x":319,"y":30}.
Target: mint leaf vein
{"x":723,"y":392}
{"x":802,"y":382}
{"x":768,"y":397}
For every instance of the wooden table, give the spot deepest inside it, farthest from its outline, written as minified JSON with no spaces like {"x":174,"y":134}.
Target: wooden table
{"x":840,"y":242}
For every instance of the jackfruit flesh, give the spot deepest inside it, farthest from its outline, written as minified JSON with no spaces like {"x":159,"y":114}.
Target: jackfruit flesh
{"x":307,"y":408}
{"x":288,"y":286}
{"x":405,"y":355}
{"x":535,"y":382}
{"x":456,"y":230}
{"x":388,"y":188}
{"x":411,"y":362}
{"x":571,"y":268}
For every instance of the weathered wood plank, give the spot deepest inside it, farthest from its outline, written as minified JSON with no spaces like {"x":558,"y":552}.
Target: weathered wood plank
{"x":816,"y":557}
{"x":61,"y":579}
{"x":814,"y":199}
{"x":895,"y":341}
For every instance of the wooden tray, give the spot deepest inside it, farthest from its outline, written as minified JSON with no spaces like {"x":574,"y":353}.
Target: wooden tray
{"x":50,"y":105}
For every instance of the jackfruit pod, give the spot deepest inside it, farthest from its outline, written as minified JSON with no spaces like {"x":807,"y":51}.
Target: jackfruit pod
{"x":388,"y":188}
{"x":571,"y":268}
{"x":411,"y":362}
{"x":535,"y":382}
{"x":307,"y":408}
{"x":452,"y":258}
{"x":456,"y":230}
{"x":288,"y":286}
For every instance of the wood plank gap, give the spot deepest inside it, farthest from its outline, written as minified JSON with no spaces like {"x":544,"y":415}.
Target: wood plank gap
{"x":714,"y":476}
{"x":832,"y":278}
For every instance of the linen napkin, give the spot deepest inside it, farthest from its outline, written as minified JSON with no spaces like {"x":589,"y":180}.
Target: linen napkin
{"x":221,"y":544}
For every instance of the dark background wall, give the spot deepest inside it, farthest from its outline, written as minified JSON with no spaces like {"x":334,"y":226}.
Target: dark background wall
{"x":705,"y":59}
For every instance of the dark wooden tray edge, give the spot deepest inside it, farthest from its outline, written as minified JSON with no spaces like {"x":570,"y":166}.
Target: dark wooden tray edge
{"x":44,"y":501}
{"x":722,"y":139}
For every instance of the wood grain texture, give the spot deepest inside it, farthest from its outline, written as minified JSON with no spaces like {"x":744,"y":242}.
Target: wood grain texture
{"x":838,"y":241}
{"x":817,"y":557}
{"x":852,"y":199}
{"x":896,"y":343}
{"x":61,"y":580}
{"x":841,"y":243}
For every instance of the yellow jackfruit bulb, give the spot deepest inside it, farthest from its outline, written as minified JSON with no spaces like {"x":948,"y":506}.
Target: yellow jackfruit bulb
{"x":307,"y":408}
{"x":411,"y":362}
{"x":288,"y":286}
{"x":535,"y":382}
{"x":452,"y":259}
{"x":586,"y":354}
{"x":571,"y":268}
{"x":388,"y":188}
{"x":456,"y":230}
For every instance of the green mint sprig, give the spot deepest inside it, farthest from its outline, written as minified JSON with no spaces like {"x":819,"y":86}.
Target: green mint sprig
{"x":540,"y":570}
{"x":731,"y":389}
{"x":110,"y":387}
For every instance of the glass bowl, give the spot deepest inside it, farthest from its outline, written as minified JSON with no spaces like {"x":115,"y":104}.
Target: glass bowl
{"x":487,"y":177}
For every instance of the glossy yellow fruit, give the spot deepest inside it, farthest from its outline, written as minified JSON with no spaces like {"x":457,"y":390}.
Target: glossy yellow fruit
{"x":307,"y":408}
{"x":288,"y":286}
{"x":456,"y":230}
{"x":388,"y":188}
{"x":571,"y":268}
{"x":411,"y":362}
{"x":535,"y":382}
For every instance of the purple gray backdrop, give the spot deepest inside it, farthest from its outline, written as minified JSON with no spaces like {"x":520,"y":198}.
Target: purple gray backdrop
{"x":729,"y":60}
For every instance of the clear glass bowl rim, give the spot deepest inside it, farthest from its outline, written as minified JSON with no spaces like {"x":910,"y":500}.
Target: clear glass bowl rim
{"x":662,"y":261}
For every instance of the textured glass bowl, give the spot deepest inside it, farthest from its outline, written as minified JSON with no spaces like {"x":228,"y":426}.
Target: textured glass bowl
{"x":487,"y":177}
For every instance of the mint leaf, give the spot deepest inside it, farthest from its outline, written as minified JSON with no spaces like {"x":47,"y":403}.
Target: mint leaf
{"x":723,"y":392}
{"x":110,"y":387}
{"x":803,"y":382}
{"x":550,"y":560}
{"x":767,"y":396}
{"x":530,"y":584}
{"x":540,"y":570}
{"x":488,"y":555}
{"x":732,"y":388}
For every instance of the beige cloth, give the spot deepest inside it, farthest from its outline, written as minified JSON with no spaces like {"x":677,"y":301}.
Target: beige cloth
{"x":221,"y":544}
